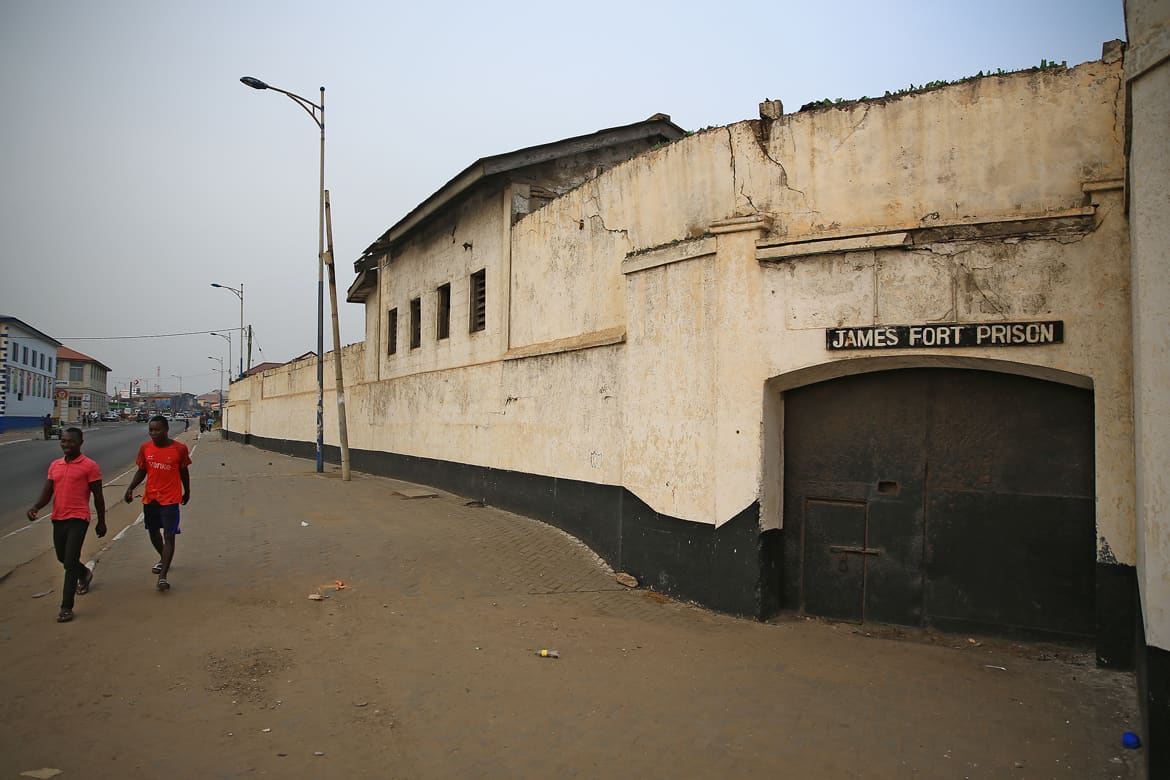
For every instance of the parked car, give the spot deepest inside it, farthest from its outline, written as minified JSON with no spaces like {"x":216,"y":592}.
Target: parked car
{"x":110,"y":416}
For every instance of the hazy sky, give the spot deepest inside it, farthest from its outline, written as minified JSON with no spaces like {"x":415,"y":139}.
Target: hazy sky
{"x":137,"y":169}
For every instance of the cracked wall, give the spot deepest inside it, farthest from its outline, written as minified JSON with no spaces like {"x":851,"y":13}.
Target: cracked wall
{"x":566,"y":258}
{"x":634,"y":332}
{"x":1084,"y":282}
{"x":947,"y":151}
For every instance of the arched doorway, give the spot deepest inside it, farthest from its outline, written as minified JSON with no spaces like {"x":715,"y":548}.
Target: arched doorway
{"x":938,"y":496}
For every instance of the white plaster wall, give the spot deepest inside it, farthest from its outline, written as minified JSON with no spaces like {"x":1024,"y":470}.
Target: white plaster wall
{"x":996,"y":145}
{"x":1084,"y":282}
{"x":669,"y":435}
{"x":283,"y":401}
{"x":566,"y":258}
{"x":455,"y":399}
{"x":739,"y":451}
{"x":677,"y":414}
{"x":438,"y":256}
{"x":1005,"y":142}
{"x":1148,"y":73}
{"x":557,"y":415}
{"x":376,"y":332}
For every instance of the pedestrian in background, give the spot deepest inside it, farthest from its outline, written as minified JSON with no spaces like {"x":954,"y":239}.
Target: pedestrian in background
{"x":72,"y":479}
{"x":163,"y":463}
{"x":47,"y":423}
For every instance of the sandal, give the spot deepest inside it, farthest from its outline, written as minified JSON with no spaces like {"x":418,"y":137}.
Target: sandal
{"x":83,"y":585}
{"x":163,"y":584}
{"x":64,"y":616}
{"x":157,"y":568}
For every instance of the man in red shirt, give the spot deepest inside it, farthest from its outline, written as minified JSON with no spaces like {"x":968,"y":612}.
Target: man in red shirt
{"x":163,"y":463}
{"x":72,"y":479}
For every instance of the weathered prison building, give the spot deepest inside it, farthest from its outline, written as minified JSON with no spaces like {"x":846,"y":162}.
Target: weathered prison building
{"x":870,"y":361}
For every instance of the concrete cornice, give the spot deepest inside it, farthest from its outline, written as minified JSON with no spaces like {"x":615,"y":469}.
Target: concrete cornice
{"x":670,"y":253}
{"x":740,"y":224}
{"x":1149,"y":53}
{"x":601,"y":338}
{"x":966,"y":228}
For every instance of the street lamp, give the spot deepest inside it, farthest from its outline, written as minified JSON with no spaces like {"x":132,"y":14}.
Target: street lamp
{"x":181,"y":405}
{"x":239,"y":294}
{"x":317,"y":112}
{"x":209,"y":357}
{"x":228,"y":339}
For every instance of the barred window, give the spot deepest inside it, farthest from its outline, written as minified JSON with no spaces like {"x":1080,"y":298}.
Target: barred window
{"x":478,"y":314}
{"x":443,"y":323}
{"x":416,"y":323}
{"x":392,"y":331}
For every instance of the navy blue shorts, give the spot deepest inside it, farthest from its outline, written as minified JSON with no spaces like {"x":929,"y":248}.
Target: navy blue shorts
{"x":164,"y":517}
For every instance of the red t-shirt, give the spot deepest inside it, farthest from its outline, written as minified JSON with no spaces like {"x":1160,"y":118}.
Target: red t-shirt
{"x":162,"y":465}
{"x":71,"y":486}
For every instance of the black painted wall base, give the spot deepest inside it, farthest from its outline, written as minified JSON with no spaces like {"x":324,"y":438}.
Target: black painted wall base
{"x":1157,"y":689}
{"x":1153,"y":678}
{"x":733,"y":568}
{"x":1117,"y":600}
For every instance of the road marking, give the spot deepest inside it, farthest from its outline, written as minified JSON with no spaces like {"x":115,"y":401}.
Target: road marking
{"x":127,"y":528}
{"x":115,"y":479}
{"x":14,"y":441}
{"x":48,"y":513}
{"x":25,"y":528}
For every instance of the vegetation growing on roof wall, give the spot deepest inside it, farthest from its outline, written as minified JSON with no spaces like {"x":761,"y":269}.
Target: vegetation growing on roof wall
{"x":912,"y":89}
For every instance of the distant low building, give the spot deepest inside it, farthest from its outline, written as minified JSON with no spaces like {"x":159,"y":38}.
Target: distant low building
{"x":83,"y":380}
{"x":260,"y":368}
{"x":208,"y":400}
{"x":27,"y":366}
{"x":165,"y":403}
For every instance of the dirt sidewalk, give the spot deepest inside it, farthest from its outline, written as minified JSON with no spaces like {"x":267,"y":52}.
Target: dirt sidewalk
{"x":425,"y":665}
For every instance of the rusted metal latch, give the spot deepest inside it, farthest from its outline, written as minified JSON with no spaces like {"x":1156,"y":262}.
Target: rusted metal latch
{"x":858,"y":550}
{"x":842,"y":553}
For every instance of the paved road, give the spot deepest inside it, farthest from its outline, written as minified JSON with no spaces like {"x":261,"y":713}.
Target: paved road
{"x":24,"y":463}
{"x":424,"y":665}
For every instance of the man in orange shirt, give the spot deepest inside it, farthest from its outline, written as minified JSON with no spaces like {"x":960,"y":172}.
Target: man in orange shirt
{"x":72,"y":479}
{"x":163,"y":463}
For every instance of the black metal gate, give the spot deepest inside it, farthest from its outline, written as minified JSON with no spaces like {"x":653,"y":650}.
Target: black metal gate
{"x":956,"y":498}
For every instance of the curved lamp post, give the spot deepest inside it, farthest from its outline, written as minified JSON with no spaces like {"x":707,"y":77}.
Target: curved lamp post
{"x":228,"y":339}
{"x":180,"y":378}
{"x":239,"y":294}
{"x":316,"y":112}
{"x":209,"y":357}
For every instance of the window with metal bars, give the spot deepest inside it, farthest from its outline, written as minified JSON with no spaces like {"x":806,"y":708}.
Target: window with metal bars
{"x":443,"y":323}
{"x":392,"y":332}
{"x":416,"y":323}
{"x":478,"y":297}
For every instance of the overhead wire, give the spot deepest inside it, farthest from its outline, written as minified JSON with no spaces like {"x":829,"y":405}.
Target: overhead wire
{"x":146,"y":336}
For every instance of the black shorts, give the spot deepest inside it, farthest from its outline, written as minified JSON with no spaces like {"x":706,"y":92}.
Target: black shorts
{"x":164,"y":517}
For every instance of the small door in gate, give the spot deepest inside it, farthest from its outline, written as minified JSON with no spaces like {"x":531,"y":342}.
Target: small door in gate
{"x":834,"y":575}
